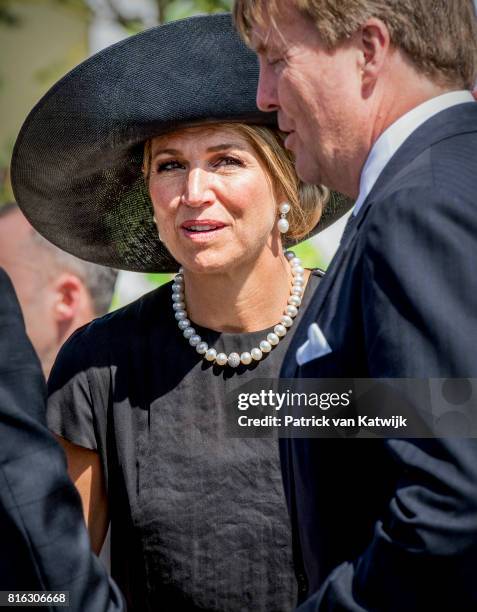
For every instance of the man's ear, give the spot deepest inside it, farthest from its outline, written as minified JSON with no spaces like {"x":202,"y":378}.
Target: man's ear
{"x":68,"y":290}
{"x":375,"y":43}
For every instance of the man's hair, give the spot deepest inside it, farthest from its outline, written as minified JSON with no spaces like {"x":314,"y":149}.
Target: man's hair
{"x":98,"y":280}
{"x":438,"y":36}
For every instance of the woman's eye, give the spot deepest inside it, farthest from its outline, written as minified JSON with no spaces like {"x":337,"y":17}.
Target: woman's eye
{"x":229,"y":161}
{"x":167,"y":166}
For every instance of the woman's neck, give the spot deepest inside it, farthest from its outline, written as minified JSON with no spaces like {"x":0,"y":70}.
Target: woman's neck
{"x":248,"y":298}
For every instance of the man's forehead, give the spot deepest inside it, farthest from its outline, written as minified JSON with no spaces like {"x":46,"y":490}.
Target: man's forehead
{"x":278,"y":29}
{"x":265,"y":36}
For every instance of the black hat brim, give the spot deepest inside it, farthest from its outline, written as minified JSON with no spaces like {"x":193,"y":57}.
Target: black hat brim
{"x":77,"y":163}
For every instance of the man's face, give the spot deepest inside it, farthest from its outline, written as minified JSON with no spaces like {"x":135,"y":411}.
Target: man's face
{"x":26,"y":265}
{"x":317,"y":94}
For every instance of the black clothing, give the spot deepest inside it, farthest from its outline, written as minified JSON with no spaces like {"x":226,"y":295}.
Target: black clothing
{"x":198,"y":519}
{"x":44,"y":542}
{"x":391,"y":525}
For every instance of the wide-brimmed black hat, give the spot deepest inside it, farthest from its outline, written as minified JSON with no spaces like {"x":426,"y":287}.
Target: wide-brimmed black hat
{"x":77,"y":163}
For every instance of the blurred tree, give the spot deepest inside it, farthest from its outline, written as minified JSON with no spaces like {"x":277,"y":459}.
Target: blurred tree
{"x":167,"y":10}
{"x":9,"y":14}
{"x":13,"y":16}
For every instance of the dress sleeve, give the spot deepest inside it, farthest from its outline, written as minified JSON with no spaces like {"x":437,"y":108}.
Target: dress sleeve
{"x":71,"y":409}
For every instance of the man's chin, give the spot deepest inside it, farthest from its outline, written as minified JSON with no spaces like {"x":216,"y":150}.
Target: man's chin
{"x":307,"y":170}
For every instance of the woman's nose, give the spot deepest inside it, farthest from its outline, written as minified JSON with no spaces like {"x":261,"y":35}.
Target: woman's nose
{"x":198,"y":188}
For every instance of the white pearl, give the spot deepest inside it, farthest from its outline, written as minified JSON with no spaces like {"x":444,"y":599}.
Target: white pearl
{"x":291,"y":311}
{"x":294,"y":300}
{"x":234,"y":360}
{"x":283,"y":226}
{"x":211,"y":354}
{"x":285,"y":208}
{"x":181,"y":270}
{"x":256,"y":354}
{"x":280,"y":330}
{"x":265,"y":346}
{"x":286,"y":320}
{"x":195,"y":340}
{"x":273,"y":338}
{"x":202,"y":348}
{"x":188,"y":332}
{"x":246,"y":358}
{"x":221,"y":359}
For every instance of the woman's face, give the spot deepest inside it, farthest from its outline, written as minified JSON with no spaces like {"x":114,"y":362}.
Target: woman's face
{"x":212,"y":199}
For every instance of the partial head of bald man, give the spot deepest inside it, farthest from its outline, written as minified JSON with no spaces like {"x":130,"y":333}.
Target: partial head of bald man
{"x":57,"y":292}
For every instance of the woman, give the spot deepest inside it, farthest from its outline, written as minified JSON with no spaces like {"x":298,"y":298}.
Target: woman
{"x":198,"y":519}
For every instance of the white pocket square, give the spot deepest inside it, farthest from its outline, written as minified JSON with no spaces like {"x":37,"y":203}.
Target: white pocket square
{"x":316,"y":346}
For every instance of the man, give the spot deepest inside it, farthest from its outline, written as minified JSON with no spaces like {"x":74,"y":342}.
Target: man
{"x":375,"y":99}
{"x":45,"y":545}
{"x":57,"y":292}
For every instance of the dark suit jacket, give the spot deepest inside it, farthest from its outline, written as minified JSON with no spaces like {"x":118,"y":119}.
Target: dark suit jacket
{"x":391,"y":525}
{"x":44,"y":543}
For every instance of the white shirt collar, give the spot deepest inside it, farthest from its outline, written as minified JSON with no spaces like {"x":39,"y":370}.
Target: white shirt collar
{"x":394,"y":136}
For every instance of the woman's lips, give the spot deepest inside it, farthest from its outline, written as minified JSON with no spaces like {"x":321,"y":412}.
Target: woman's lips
{"x":202,"y":230}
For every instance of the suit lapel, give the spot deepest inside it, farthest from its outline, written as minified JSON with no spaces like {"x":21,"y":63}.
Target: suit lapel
{"x":459,"y":119}
{"x":290,"y":366}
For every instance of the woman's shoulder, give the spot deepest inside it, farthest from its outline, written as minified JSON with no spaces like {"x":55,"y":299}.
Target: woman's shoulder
{"x":122,"y":325}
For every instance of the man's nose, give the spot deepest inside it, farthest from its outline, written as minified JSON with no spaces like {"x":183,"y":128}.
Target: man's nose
{"x":267,"y":99}
{"x":198,"y":188}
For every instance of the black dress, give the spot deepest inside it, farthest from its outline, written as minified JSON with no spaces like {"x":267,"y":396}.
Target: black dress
{"x":198,"y":519}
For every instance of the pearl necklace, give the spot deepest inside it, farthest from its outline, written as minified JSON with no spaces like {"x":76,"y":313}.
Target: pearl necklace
{"x":266,"y":345}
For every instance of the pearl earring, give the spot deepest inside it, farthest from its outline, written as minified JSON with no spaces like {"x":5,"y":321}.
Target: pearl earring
{"x":282,"y":223}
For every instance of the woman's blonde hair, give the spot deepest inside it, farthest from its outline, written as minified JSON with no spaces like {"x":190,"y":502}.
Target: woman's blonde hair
{"x":306,"y":201}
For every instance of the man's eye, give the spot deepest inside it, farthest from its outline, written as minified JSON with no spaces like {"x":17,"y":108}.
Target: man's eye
{"x":273,"y":61}
{"x":167,"y":166}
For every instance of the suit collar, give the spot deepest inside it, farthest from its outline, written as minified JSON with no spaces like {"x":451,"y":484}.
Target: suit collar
{"x":451,"y":122}
{"x":398,"y":132}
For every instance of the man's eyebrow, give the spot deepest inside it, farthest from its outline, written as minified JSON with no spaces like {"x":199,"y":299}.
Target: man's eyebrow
{"x":260,"y":47}
{"x":260,"y":43}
